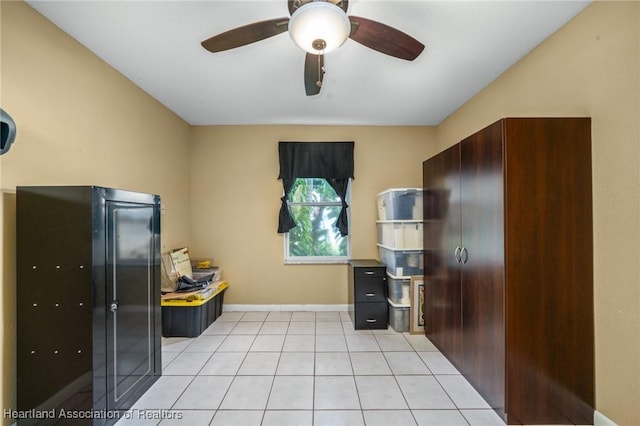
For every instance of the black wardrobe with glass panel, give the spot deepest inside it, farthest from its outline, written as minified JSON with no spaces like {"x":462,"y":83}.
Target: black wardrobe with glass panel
{"x":88,"y":300}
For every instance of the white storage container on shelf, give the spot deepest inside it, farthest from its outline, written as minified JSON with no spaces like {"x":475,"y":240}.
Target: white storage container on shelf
{"x":400,"y":204}
{"x":398,"y":289}
{"x":399,"y":316}
{"x":401,"y":234}
{"x":400,"y":262}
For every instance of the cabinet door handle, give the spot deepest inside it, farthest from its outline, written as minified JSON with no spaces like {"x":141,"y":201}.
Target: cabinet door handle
{"x":457,"y":255}
{"x":369,"y":272}
{"x":370,"y":294}
{"x":371,"y":320}
{"x":466,"y":255}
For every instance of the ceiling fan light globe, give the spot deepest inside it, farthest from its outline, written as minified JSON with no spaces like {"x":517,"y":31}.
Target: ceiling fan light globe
{"x":319,"y":20}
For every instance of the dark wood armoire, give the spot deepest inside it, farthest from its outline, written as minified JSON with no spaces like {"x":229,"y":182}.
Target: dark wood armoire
{"x":509,"y":287}
{"x":88,"y":301}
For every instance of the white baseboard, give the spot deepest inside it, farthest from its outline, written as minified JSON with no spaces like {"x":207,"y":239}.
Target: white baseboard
{"x":288,"y":308}
{"x":600,"y":419}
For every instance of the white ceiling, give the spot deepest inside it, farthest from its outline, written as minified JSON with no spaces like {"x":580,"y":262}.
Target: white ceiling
{"x":156,"y":44}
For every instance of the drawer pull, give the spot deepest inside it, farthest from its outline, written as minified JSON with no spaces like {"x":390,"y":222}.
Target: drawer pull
{"x":370,"y":294}
{"x":369,"y":272}
{"x":371,"y":320}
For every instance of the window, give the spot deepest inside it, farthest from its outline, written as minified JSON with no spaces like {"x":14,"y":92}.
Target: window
{"x":315,"y":207}
{"x":314,"y":213}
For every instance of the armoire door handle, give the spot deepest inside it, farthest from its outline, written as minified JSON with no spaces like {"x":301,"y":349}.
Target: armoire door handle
{"x":457,"y":255}
{"x":466,"y":255}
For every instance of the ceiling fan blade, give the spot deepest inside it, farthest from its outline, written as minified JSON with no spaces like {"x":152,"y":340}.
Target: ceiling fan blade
{"x":384,"y":39}
{"x":313,"y":73}
{"x":246,"y":34}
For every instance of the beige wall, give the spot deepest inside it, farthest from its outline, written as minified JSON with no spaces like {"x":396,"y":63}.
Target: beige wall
{"x":591,"y":67}
{"x":236,"y":199}
{"x":79,"y":122}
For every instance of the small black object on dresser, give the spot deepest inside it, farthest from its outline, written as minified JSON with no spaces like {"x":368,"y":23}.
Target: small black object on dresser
{"x":368,"y":294}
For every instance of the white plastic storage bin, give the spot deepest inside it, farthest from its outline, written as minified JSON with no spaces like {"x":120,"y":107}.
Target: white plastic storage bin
{"x":400,"y":204}
{"x":398,"y":289}
{"x":401,"y":234}
{"x":402,"y":263}
{"x":399,"y":316}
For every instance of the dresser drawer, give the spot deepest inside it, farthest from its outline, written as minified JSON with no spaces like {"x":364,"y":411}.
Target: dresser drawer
{"x":371,"y":315}
{"x":365,"y":272}
{"x":370,"y":289}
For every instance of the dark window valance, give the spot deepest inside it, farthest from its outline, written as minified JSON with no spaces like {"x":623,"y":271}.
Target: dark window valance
{"x":328,"y":160}
{"x":332,"y":161}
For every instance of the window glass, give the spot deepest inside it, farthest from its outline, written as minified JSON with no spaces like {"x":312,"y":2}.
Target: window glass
{"x":315,"y":207}
{"x":312,"y":190}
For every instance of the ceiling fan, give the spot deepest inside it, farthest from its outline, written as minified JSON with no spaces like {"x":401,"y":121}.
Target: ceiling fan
{"x":318,"y":27}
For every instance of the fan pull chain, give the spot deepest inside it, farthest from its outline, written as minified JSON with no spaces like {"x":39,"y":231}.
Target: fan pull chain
{"x":320,"y":72}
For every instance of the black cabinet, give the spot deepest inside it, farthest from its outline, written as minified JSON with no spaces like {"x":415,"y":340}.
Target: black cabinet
{"x":368,"y":294}
{"x":88,"y":299}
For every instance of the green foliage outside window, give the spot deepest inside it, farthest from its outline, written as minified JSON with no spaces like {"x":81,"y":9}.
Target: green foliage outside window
{"x":315,"y":207}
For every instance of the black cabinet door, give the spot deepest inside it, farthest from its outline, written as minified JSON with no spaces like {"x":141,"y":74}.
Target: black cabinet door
{"x":130,"y":296}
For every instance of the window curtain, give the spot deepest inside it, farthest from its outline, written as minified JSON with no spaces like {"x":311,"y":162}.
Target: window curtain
{"x":332,"y":161}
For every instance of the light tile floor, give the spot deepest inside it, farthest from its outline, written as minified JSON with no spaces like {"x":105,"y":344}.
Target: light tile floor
{"x":306,"y":368}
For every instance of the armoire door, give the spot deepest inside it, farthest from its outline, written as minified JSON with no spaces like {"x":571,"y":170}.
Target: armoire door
{"x":549,"y":264}
{"x":130,"y":293}
{"x":442,"y":285}
{"x":482,"y":260}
